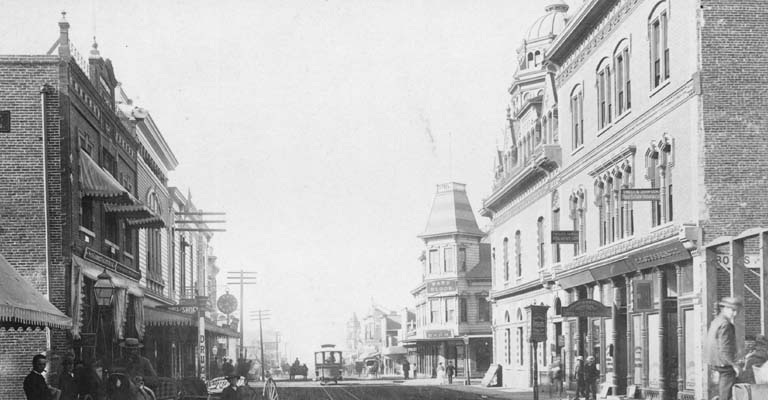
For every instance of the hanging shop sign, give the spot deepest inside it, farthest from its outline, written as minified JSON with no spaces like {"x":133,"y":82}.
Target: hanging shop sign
{"x":650,"y":194}
{"x":445,"y":285}
{"x":565,"y":237}
{"x":227,"y":303}
{"x":586,"y":308}
{"x":538,"y":317}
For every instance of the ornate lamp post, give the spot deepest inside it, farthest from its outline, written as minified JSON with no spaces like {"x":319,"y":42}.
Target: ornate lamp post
{"x":104,"y":289}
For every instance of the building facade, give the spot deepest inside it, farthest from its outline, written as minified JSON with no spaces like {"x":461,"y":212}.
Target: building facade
{"x":79,"y":168}
{"x":453,"y":321}
{"x":630,"y":95}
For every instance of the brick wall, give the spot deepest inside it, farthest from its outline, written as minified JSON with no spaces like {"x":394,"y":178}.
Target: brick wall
{"x":734,"y":80}
{"x":19,"y":346}
{"x":22,"y":216}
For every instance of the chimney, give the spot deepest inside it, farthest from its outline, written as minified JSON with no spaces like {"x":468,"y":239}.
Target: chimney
{"x":64,"y":36}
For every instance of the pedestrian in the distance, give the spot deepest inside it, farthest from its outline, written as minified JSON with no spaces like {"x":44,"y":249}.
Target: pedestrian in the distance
{"x":440,"y":373}
{"x":406,"y":368}
{"x":591,"y":375}
{"x":556,"y":374}
{"x":450,"y":371}
{"x":578,"y":376}
{"x":721,"y":345}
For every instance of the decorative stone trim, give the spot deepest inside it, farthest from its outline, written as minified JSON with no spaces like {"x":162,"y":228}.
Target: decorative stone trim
{"x":604,"y":28}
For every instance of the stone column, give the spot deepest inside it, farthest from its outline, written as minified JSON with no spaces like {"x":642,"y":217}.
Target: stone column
{"x":630,"y":333}
{"x":680,"y":342}
{"x":615,"y":308}
{"x":661,"y":283}
{"x":603,"y":344}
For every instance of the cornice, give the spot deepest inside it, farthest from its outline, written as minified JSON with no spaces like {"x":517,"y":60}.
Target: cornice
{"x":584,"y":43}
{"x":629,"y":151}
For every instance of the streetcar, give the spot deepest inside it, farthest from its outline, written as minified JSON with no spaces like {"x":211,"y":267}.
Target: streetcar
{"x":329,"y":364}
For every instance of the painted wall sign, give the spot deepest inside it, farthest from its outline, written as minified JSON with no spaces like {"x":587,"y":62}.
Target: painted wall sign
{"x":98,"y":258}
{"x":655,"y":256}
{"x":439,"y":333}
{"x":587,"y":308}
{"x":445,"y":285}
{"x":651,"y":194}
{"x":750,"y":260}
{"x":565,"y":237}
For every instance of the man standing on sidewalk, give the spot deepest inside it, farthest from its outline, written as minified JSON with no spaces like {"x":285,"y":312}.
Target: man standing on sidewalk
{"x":406,"y":368}
{"x":578,"y":376}
{"x":721,"y":345}
{"x":450,"y":371}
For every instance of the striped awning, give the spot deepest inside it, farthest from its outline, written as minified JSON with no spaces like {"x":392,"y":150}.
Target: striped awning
{"x":20,"y":303}
{"x":97,"y":183}
{"x":132,"y":211}
{"x":153,"y":222}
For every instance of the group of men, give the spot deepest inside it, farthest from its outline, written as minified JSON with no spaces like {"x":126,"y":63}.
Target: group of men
{"x":586,"y":377}
{"x":78,"y":379}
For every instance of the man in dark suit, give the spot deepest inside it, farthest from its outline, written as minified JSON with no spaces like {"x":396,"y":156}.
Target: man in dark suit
{"x":230,"y":392}
{"x":35,"y":386}
{"x":450,"y":371}
{"x":66,"y":382}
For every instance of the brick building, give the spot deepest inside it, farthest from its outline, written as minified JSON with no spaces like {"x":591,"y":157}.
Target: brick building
{"x":452,"y":312}
{"x":629,"y":94}
{"x":75,"y":203}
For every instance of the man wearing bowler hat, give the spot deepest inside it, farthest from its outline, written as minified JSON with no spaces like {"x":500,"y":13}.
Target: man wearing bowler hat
{"x":721,"y":345}
{"x":134,"y":363}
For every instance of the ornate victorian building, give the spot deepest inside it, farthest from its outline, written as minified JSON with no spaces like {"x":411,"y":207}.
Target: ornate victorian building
{"x":619,"y":164}
{"x":452,"y":311}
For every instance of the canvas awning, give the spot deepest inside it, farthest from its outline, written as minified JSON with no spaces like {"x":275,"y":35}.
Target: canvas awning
{"x":97,"y":183}
{"x":394,"y":351}
{"x":153,"y":222}
{"x":132,"y":211}
{"x":20,"y":303}
{"x":164,"y":317}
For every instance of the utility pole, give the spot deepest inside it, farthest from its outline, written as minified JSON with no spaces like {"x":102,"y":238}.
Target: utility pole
{"x":241,"y":278}
{"x":261,"y":315}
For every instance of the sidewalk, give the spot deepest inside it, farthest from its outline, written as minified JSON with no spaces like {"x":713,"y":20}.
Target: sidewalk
{"x":491,"y":392}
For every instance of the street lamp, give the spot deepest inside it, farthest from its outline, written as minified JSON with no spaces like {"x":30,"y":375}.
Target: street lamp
{"x":104,"y":289}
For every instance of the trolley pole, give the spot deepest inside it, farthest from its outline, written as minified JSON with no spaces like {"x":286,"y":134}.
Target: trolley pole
{"x":261,"y":315}
{"x":241,"y":278}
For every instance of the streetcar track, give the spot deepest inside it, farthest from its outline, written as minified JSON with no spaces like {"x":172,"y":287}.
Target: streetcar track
{"x":349,"y":393}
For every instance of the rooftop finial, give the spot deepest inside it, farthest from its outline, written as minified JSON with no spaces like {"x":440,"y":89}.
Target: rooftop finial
{"x":63,"y":15}
{"x":95,"y":49}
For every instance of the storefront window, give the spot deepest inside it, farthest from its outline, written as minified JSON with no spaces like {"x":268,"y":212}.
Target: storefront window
{"x":637,"y":346}
{"x":654,"y":348}
{"x":671,"y":276}
{"x":596,"y":348}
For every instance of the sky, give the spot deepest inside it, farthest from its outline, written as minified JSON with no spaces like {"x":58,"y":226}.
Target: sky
{"x":320,"y":127}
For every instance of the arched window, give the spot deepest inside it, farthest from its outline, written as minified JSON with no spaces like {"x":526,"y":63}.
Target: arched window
{"x":623,"y":78}
{"x":507,"y":340}
{"x":520,"y":339}
{"x":530,"y":60}
{"x":518,"y":256}
{"x":558,"y":306}
{"x":505,"y":250}
{"x":657,"y":32}
{"x":604,"y":103}
{"x":659,"y":164}
{"x":537,"y":58}
{"x":577,"y":117}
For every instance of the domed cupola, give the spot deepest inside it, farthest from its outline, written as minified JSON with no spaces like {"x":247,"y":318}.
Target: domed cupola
{"x":551,"y":23}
